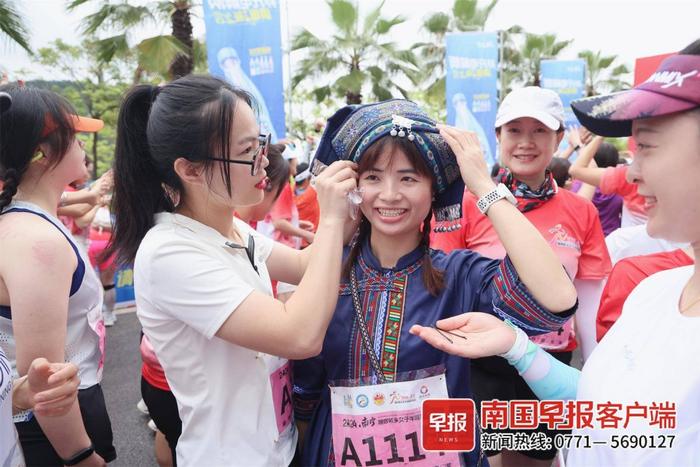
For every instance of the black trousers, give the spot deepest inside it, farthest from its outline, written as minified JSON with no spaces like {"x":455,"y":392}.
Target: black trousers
{"x":38,"y":449}
{"x":162,"y":408}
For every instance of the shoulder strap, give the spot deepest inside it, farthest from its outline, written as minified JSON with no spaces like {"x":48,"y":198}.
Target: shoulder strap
{"x":80,"y":269}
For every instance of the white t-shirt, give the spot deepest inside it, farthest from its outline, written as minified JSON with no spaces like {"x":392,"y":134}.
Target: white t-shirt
{"x":10,"y":452}
{"x":649,"y":355}
{"x":631,"y":218}
{"x":187,"y":283}
{"x":635,"y":241}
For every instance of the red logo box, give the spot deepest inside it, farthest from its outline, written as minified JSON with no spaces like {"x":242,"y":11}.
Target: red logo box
{"x":448,"y":425}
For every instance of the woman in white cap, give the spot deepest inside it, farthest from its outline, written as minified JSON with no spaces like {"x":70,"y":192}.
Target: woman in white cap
{"x":649,"y":356}
{"x":529,"y":127}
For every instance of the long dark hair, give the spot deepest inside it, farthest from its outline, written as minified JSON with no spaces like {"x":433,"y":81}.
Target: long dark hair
{"x":191,"y":118}
{"x":278,"y":168}
{"x":24,"y":126}
{"x":433,"y":278}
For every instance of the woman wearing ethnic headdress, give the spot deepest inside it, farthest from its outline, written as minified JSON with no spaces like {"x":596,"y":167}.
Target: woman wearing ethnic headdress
{"x":408,"y":170}
{"x":529,"y":127}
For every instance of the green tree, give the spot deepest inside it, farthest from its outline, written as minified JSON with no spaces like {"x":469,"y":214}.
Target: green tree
{"x":538,"y":47}
{"x":12,"y":25}
{"x":599,"y":74}
{"x":466,"y":16}
{"x":356,"y":58}
{"x":170,"y":56}
{"x":95,"y":88}
{"x":522,"y":54}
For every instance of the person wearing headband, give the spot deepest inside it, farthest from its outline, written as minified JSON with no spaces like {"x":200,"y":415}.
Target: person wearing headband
{"x":410,"y":171}
{"x":50,"y":298}
{"x":529,"y":127}
{"x":649,"y":356}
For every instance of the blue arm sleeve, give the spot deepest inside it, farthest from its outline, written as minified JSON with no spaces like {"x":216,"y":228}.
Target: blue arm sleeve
{"x":548,"y":378}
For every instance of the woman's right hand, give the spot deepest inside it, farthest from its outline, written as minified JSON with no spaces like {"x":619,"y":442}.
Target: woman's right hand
{"x":482,"y":335}
{"x":332,"y":186}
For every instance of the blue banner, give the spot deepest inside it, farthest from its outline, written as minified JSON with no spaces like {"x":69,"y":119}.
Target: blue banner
{"x":124,"y":287}
{"x":244,"y":46}
{"x":472,"y":79}
{"x":568,"y":79}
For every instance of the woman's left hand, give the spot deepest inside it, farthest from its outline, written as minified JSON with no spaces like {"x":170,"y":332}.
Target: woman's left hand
{"x":472,"y":335}
{"x":470,"y":158}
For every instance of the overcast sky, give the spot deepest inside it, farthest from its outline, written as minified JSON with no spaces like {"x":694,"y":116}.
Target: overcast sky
{"x":627,"y":28}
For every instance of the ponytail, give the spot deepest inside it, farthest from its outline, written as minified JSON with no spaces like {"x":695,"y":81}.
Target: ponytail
{"x":138,"y":188}
{"x":191,"y":118}
{"x":9,"y":189}
{"x":364,"y":231}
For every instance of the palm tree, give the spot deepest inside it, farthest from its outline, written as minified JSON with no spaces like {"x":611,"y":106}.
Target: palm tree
{"x":359,"y":52}
{"x":12,"y":25}
{"x":182,"y":31}
{"x":538,"y":47}
{"x":598,"y":73}
{"x":466,"y":16}
{"x":168,"y":55}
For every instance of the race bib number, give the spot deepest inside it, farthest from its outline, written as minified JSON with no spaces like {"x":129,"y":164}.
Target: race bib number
{"x":281,"y":382}
{"x":381,"y":424}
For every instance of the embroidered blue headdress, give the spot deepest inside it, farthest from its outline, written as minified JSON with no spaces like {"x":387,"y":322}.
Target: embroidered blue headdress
{"x":353,"y":129}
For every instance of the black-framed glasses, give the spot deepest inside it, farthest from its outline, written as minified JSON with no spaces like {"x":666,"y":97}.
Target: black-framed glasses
{"x":258,"y":155}
{"x":249,"y":250}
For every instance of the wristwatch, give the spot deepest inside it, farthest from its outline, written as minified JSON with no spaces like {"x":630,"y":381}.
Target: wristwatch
{"x":501,"y":191}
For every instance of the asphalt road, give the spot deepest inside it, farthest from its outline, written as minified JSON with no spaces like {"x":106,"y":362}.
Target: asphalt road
{"x":121,"y":384}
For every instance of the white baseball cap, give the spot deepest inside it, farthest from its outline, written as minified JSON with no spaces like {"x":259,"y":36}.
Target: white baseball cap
{"x":534,"y":102}
{"x":292,"y":151}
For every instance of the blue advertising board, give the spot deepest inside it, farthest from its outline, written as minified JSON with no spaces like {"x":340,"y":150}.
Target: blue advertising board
{"x":568,"y":79}
{"x":472,"y":86}
{"x":244,"y":46}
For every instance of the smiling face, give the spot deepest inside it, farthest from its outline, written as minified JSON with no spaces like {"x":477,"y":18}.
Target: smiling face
{"x":397,"y":196}
{"x":527,"y":147}
{"x":666,"y":168}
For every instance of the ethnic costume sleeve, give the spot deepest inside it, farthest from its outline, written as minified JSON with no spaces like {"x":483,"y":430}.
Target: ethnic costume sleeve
{"x":548,"y":378}
{"x":309,"y":380}
{"x":500,"y":291}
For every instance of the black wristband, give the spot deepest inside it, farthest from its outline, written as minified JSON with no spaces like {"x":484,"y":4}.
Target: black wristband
{"x":577,"y":147}
{"x":80,"y":456}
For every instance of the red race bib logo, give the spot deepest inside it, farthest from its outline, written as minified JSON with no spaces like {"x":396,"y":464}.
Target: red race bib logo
{"x":448,"y":425}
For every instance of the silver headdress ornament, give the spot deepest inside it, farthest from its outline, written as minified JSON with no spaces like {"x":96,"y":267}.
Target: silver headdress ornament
{"x":402,"y":127}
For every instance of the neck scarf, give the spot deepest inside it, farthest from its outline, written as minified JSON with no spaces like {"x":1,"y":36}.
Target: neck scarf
{"x":529,"y":199}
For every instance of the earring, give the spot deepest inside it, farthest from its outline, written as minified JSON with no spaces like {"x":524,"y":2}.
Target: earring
{"x":39,"y":154}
